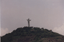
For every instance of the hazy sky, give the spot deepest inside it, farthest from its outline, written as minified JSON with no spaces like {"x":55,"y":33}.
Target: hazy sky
{"x":43,"y":13}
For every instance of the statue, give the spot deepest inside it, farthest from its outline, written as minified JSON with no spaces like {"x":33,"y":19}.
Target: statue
{"x":28,"y":22}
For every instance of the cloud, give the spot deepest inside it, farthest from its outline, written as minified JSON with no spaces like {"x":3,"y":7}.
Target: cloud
{"x":59,"y":30}
{"x":3,"y":31}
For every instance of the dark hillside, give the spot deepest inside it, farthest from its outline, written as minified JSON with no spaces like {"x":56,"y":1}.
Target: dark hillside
{"x":32,"y":34}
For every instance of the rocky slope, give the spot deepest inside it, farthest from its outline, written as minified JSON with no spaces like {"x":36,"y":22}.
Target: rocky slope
{"x":32,"y":34}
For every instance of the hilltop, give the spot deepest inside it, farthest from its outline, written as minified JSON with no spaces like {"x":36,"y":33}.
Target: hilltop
{"x":32,"y":34}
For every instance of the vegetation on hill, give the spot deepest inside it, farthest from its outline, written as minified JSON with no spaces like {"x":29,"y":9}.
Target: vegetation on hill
{"x":32,"y":34}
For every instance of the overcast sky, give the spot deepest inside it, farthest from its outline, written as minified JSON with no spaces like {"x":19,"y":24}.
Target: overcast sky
{"x":43,"y":13}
